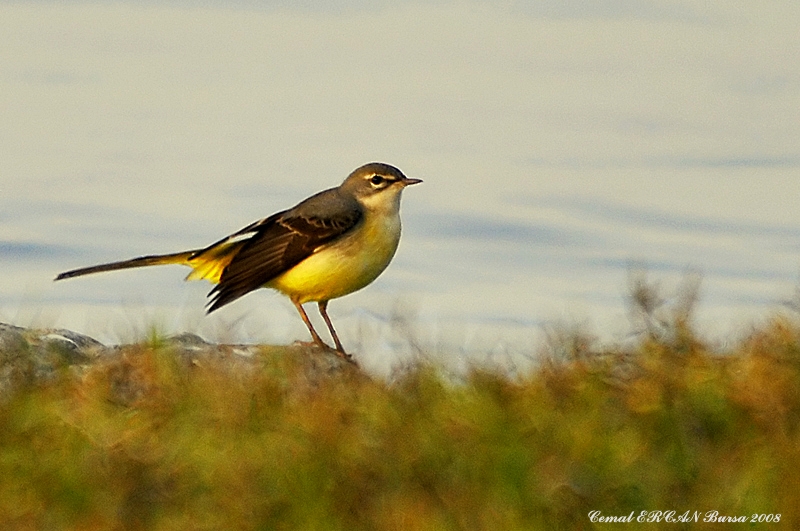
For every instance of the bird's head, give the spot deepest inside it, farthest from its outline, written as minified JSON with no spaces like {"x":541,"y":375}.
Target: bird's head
{"x":377,"y":185}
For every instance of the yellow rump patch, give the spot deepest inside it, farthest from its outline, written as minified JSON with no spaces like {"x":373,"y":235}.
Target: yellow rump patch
{"x":210,"y":263}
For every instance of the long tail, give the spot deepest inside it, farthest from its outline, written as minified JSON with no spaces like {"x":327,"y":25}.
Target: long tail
{"x":142,"y":261}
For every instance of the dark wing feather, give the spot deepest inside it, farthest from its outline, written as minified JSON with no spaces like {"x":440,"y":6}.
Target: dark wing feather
{"x":242,"y":234}
{"x":281,"y":241}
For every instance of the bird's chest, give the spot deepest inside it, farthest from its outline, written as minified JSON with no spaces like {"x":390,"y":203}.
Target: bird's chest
{"x":378,"y":241}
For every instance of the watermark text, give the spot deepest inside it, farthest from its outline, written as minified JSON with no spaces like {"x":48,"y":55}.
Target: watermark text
{"x":677,"y":517}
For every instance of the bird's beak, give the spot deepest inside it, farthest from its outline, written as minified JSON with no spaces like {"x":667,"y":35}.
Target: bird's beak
{"x":408,"y":182}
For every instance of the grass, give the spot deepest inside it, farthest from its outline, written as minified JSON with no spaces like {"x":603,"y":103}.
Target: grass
{"x":145,"y":442}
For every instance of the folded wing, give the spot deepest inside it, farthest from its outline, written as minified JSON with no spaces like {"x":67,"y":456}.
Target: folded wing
{"x":271,"y":246}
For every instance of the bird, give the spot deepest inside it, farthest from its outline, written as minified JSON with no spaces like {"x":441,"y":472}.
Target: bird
{"x":327,"y":246}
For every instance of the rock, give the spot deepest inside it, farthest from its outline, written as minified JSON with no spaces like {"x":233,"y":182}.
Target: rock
{"x":30,"y":357}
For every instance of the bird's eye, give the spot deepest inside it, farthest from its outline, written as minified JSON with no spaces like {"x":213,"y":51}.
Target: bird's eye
{"x":376,"y":180}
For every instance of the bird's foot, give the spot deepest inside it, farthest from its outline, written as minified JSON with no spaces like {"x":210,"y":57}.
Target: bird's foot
{"x":324,"y":346}
{"x":345,"y":356}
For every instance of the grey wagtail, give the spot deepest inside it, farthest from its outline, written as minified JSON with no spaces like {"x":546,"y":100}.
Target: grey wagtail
{"x":332,"y":244}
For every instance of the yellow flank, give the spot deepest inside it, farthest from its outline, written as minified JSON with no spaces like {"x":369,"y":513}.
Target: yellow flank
{"x":344,"y":266}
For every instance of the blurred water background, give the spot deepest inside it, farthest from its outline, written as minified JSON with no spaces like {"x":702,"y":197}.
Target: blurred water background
{"x":561,"y":144}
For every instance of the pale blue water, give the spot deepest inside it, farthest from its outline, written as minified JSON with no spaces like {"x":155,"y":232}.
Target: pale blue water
{"x":559,"y":146}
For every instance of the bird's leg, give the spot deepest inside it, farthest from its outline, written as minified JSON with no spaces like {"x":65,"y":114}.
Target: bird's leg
{"x":318,"y":340}
{"x":323,"y":310}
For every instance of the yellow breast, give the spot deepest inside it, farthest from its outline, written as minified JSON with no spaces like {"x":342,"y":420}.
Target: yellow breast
{"x":343,"y":266}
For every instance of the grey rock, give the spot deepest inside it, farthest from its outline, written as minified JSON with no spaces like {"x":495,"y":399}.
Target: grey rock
{"x":31,"y":357}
